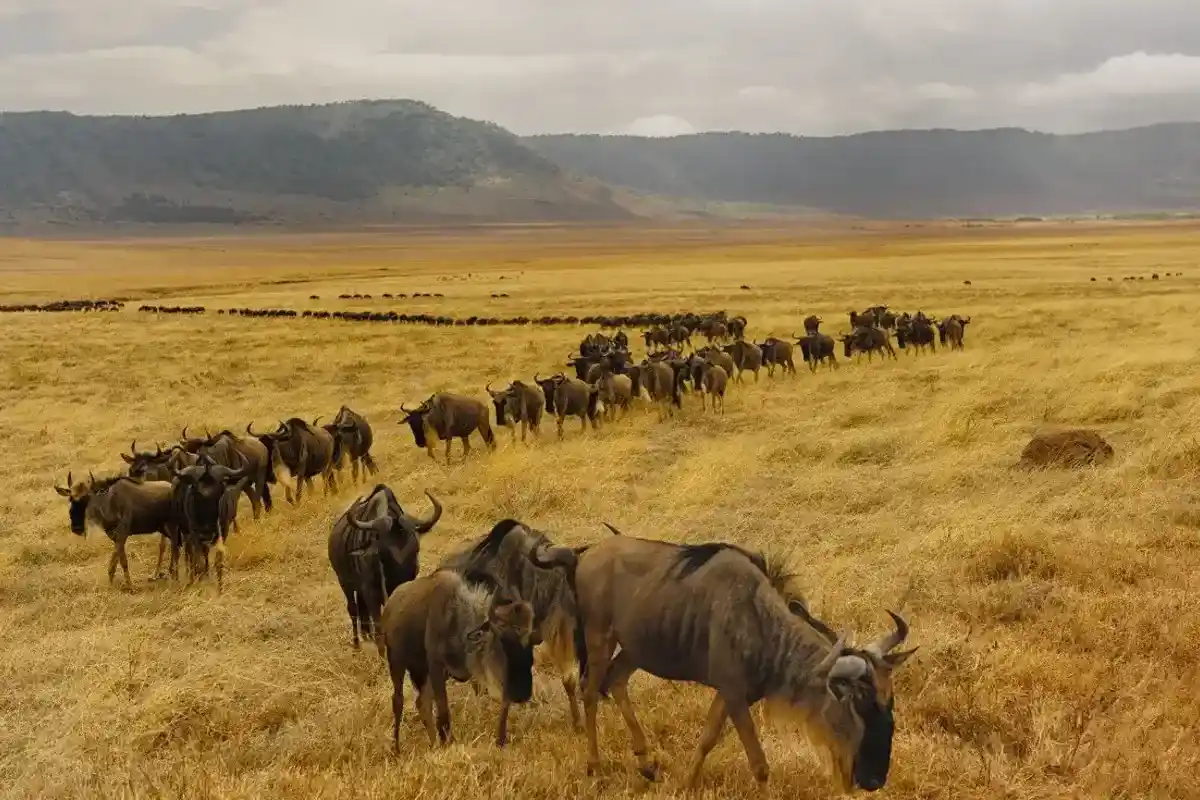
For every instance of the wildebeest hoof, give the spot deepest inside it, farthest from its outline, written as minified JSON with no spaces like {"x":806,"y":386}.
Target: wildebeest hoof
{"x":650,"y":771}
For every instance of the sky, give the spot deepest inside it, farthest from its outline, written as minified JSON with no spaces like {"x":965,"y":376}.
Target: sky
{"x":651,"y":67}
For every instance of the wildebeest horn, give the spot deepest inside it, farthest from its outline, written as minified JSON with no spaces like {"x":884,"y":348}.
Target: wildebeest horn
{"x":885,"y":644}
{"x":133,"y":447}
{"x":406,"y":409}
{"x":91,"y":478}
{"x":537,"y":377}
{"x":159,"y":446}
{"x":613,"y":529}
{"x":70,"y":482}
{"x":317,"y":419}
{"x":823,"y":671}
{"x":426,"y":525}
{"x":183,"y":434}
{"x":548,"y":556}
{"x":207,"y":433}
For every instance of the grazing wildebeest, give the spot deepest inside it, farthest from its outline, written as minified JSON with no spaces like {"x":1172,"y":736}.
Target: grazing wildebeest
{"x":522,"y":403}
{"x":355,"y":437}
{"x":466,"y":627}
{"x":817,"y":347}
{"x":714,"y":614}
{"x":777,"y":352}
{"x":300,"y":452}
{"x":747,"y":356}
{"x":574,"y":398}
{"x":374,"y":547}
{"x":713,"y":382}
{"x":867,"y":340}
{"x":509,"y":552}
{"x":204,"y":501}
{"x":446,"y":417}
{"x":124,"y":507}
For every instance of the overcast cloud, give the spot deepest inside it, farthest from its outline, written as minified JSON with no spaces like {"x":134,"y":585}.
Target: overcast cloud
{"x":650,"y":67}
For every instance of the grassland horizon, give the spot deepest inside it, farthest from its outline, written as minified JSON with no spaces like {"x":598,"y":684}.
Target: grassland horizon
{"x":1055,"y":611}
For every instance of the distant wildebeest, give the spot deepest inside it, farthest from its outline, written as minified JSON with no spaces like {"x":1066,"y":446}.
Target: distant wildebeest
{"x":817,"y":347}
{"x":951,"y":329}
{"x":717,"y":615}
{"x":917,"y":334}
{"x":355,"y":437}
{"x":446,"y":416}
{"x":867,"y":340}
{"x":231,"y":450}
{"x":747,"y":357}
{"x":204,"y":500}
{"x":373,"y":548}
{"x":300,"y":452}
{"x":519,"y":402}
{"x":574,"y":398}
{"x":468,"y":628}
{"x":777,"y":352}
{"x":124,"y":507}
{"x":509,"y":552}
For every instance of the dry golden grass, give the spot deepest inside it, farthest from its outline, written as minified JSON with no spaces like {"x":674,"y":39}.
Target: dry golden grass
{"x":1056,"y":612}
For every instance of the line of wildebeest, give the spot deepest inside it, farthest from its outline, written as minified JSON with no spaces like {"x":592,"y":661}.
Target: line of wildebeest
{"x":64,"y":305}
{"x":711,"y":613}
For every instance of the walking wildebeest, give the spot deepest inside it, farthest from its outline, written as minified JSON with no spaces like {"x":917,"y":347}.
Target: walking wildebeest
{"x":614,"y":391}
{"x":300,"y":452}
{"x":374,"y":547}
{"x":355,"y":437}
{"x":817,"y":347}
{"x":230,"y":450}
{"x":159,"y":465}
{"x":507,"y":552}
{"x":713,"y":382}
{"x":445,"y":416}
{"x":867,"y":340}
{"x":747,"y":356}
{"x":711,"y":614}
{"x":812,"y":324}
{"x":469,"y":628}
{"x":522,"y":403}
{"x":574,"y":398}
{"x":777,"y":352}
{"x":204,"y":501}
{"x":124,"y":507}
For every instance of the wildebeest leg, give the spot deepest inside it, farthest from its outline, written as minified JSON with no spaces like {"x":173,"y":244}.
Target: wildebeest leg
{"x":429,"y":450}
{"x":599,"y":653}
{"x":583,"y":421}
{"x":560,"y":425}
{"x":120,"y":554}
{"x":619,"y":672}
{"x":352,"y":610}
{"x":502,"y":724}
{"x":162,"y":548}
{"x":370,"y":463}
{"x":466,"y":447}
{"x":255,"y":501}
{"x":739,"y":712}
{"x":397,"y":712}
{"x":437,"y":686}
{"x":448,"y":443}
{"x":714,"y":726}
{"x":425,"y":708}
{"x":220,"y":563}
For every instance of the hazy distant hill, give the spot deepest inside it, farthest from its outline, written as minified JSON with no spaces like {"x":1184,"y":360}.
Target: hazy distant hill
{"x":360,"y":162}
{"x":906,"y":173}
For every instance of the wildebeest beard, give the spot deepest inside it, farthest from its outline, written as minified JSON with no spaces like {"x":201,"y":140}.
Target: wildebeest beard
{"x":78,"y":514}
{"x":416,"y":421}
{"x":518,"y":669}
{"x":874,"y":755}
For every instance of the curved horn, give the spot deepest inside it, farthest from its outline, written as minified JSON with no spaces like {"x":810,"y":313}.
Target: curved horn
{"x":488,"y":388}
{"x":91,"y":478}
{"x":613,"y":529}
{"x":317,"y":419}
{"x":537,"y":377}
{"x":885,"y":644}
{"x":426,"y":525}
{"x":133,"y":447}
{"x":794,"y":336}
{"x":250,"y":432}
{"x":183,"y":434}
{"x":547,"y":556}
{"x":207,"y":433}
{"x":70,"y":482}
{"x":823,"y":670}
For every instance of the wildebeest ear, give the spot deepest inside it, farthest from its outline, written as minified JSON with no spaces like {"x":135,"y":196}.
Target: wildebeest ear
{"x":895,"y":660}
{"x":64,"y":491}
{"x":126,"y":459}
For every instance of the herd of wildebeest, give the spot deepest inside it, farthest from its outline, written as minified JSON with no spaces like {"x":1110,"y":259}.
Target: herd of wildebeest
{"x":714,"y":613}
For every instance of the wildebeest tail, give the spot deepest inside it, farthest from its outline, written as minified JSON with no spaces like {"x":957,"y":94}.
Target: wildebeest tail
{"x":266,"y":495}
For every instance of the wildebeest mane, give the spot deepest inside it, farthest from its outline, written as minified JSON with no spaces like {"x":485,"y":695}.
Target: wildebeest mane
{"x":489,"y":546}
{"x":692,"y":557}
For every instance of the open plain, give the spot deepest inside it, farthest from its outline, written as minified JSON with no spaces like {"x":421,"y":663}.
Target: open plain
{"x":1056,"y":611}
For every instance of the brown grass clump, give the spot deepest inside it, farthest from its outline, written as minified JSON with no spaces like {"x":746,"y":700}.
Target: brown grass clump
{"x":1056,"y":611}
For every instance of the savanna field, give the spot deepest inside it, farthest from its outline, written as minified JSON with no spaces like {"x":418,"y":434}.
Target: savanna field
{"x":1057,"y":612}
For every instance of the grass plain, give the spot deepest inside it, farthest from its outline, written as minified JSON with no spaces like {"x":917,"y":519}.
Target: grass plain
{"x":1056,"y":611}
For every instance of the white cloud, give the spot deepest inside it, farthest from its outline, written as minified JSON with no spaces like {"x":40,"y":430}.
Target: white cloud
{"x":660,"y":125}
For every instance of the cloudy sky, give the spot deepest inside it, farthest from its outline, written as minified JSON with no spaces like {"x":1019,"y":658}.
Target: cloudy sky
{"x":652,"y":67}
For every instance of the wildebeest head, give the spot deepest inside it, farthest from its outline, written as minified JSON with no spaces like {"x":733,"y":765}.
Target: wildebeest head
{"x":208,"y":478}
{"x":79,"y":495}
{"x":500,"y":399}
{"x":416,"y":420}
{"x":857,"y":727}
{"x":548,"y":386}
{"x":379,"y":514}
{"x":502,"y":647}
{"x":140,"y":462}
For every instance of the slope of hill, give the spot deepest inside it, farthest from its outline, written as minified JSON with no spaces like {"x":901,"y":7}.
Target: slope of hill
{"x":917,"y":173}
{"x":357,"y":161}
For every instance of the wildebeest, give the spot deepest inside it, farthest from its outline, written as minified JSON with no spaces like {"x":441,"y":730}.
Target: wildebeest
{"x":663,"y":382}
{"x":715,"y":355}
{"x":124,"y":507}
{"x":204,"y":502}
{"x":614,"y":391}
{"x":817,"y":347}
{"x":300,"y":452}
{"x":713,"y":382}
{"x":747,"y":356}
{"x":574,"y":398}
{"x":812,"y":324}
{"x":510,"y":553}
{"x":446,"y":416}
{"x":951,"y":329}
{"x":519,"y":402}
{"x":777,"y":352}
{"x":159,"y":465}
{"x":867,"y":340}
{"x":919,"y":332}
{"x":714,"y":614}
{"x":469,"y":628}
{"x":355,"y":437}
{"x":233,"y":451}
{"x":374,"y":547}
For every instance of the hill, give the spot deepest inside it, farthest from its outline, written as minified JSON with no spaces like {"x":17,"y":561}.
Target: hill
{"x":910,"y":173}
{"x":373,"y":161}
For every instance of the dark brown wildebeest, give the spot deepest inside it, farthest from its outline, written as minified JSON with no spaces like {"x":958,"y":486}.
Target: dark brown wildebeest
{"x":715,"y":355}
{"x":355,"y":437}
{"x":519,"y":402}
{"x":656,"y":338}
{"x":747,"y":357}
{"x":919,"y":334}
{"x":204,"y":501}
{"x":815,"y":348}
{"x":574,"y":398}
{"x":124,"y":507}
{"x":299,"y":453}
{"x":867,"y":340}
{"x":713,"y":382}
{"x":447,"y":625}
{"x":229,"y":450}
{"x":714,"y":614}
{"x":446,"y":416}
{"x":548,"y":385}
{"x":509,"y":553}
{"x":951,"y":330}
{"x":812,"y":324}
{"x":373,"y":548}
{"x":159,"y":465}
{"x":737,"y":327}
{"x":777,"y":352}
